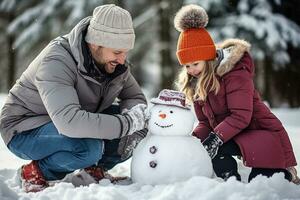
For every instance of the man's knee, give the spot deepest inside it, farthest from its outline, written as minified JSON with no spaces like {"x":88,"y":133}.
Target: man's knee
{"x":91,"y":151}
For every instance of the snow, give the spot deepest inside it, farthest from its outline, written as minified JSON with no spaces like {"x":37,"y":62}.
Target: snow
{"x":197,"y":187}
{"x":7,"y":5}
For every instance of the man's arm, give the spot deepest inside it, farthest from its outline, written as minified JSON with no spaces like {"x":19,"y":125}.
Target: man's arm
{"x":55,"y":83}
{"x":131,"y":94}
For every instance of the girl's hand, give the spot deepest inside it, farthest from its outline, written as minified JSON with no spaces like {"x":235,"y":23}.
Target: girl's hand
{"x":212,"y":144}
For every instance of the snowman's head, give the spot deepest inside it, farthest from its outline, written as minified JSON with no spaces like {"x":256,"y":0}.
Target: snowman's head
{"x":170,"y":120}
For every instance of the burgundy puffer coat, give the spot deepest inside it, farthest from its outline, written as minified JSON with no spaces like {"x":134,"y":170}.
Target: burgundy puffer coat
{"x":238,"y":113}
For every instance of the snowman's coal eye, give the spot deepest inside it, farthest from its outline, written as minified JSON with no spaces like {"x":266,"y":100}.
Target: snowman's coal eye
{"x":171,"y":111}
{"x":159,"y":111}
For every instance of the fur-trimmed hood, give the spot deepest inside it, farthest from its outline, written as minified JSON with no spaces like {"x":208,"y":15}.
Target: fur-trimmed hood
{"x":233,"y":51}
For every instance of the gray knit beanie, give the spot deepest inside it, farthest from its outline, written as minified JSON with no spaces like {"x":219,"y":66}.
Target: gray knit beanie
{"x":111,"y":27}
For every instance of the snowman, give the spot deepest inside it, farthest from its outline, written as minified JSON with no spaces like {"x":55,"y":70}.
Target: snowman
{"x":169,"y":153}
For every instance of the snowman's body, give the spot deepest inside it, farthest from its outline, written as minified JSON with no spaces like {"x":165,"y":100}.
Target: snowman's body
{"x":169,"y":153}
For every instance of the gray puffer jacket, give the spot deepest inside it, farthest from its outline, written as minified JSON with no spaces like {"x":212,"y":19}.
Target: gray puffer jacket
{"x":58,"y":87}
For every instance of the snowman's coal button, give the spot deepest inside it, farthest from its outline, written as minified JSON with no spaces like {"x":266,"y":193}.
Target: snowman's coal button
{"x":153,"y":149}
{"x":153,"y":164}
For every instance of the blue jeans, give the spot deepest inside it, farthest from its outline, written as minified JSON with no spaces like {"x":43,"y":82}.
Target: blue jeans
{"x":58,"y":155}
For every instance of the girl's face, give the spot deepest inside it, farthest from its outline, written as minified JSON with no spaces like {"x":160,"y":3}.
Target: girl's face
{"x":195,"y":68}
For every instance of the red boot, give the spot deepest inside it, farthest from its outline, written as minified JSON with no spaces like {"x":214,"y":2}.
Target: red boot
{"x":32,"y":178}
{"x":98,"y":173}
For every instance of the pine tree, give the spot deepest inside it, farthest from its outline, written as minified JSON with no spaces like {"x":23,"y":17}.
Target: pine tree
{"x":28,"y":23}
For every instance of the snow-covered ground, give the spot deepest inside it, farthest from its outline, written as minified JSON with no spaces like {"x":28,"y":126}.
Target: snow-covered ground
{"x":260,"y":188}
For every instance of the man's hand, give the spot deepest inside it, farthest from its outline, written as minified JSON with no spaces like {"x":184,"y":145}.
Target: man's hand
{"x":212,"y":144}
{"x":147,"y":112}
{"x":132,"y":120}
{"x":129,"y":142}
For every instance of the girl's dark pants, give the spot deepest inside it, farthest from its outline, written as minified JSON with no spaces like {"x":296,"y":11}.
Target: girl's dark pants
{"x":225,"y":165}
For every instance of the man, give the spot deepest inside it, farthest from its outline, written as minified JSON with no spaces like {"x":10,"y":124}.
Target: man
{"x":59,"y":113}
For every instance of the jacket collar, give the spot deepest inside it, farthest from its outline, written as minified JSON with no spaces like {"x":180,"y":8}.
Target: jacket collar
{"x":232,"y":51}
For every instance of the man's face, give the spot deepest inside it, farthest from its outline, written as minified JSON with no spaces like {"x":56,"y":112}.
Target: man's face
{"x":108,"y":57}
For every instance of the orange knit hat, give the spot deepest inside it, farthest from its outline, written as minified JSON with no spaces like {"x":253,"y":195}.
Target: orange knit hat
{"x":194,"y":42}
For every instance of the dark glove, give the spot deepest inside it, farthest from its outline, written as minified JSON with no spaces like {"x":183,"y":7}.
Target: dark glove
{"x":212,"y":144}
{"x":129,"y":142}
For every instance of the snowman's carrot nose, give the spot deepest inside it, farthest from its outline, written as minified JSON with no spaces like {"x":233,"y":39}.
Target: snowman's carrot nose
{"x":162,"y":115}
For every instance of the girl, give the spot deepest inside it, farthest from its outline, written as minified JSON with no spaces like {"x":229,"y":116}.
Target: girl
{"x":233,"y":120}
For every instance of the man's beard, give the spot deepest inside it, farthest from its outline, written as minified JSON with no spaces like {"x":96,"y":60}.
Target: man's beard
{"x":100,"y":66}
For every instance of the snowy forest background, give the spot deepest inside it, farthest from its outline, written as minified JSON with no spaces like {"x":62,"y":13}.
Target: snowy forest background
{"x":271,"y":26}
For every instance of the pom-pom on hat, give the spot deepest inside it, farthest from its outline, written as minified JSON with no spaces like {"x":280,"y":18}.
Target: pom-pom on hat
{"x":171,"y":98}
{"x":194,"y":42}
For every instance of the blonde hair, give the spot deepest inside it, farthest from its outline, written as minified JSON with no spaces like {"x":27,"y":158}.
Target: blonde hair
{"x":207,"y":82}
